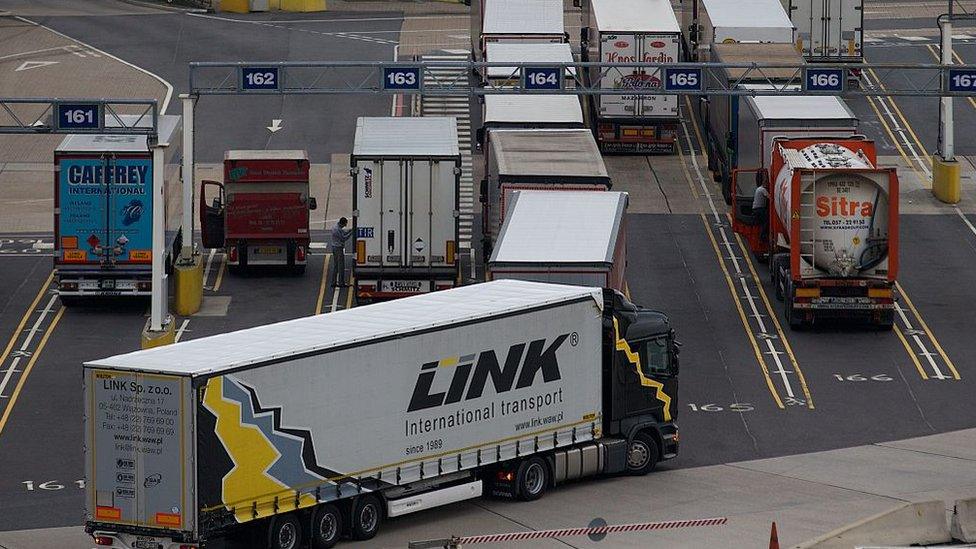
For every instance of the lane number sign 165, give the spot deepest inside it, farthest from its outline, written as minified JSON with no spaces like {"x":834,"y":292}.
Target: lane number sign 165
{"x":265,"y":79}
{"x":683,"y":79}
{"x":401,"y":78}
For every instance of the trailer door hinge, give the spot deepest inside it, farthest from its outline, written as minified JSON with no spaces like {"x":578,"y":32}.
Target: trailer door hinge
{"x":354,"y":171}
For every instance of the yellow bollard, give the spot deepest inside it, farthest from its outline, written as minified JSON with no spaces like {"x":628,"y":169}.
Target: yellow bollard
{"x":189,"y":286}
{"x":302,"y":5}
{"x":946,"y":180}
{"x":235,"y":6}
{"x":167,"y":336}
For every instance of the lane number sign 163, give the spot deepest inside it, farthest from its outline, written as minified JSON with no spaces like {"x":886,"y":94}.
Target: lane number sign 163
{"x":401,"y":78}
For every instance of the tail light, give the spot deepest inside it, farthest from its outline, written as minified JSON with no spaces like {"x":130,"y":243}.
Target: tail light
{"x":188,"y":546}
{"x":300,"y":253}
{"x":68,"y":286}
{"x":879,"y":293}
{"x":808,"y":292}
{"x":104,"y":540}
{"x":360,"y":251}
{"x":505,"y":476}
{"x":232,"y":254}
{"x":143,"y":286}
{"x":451,"y":252}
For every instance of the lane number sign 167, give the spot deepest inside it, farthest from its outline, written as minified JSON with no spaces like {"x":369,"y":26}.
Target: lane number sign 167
{"x":824,"y":80}
{"x":401,"y":78}
{"x":961,"y":80}
{"x":683,"y":79}
{"x":266,"y":79}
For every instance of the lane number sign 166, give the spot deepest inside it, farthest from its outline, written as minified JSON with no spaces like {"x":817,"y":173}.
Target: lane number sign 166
{"x":401,"y":78}
{"x":260,"y":79}
{"x":683,"y":79}
{"x":961,"y":80}
{"x":824,"y":80}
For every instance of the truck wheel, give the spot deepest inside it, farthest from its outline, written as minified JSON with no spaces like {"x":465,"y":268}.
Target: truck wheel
{"x":642,"y":455}
{"x":326,"y":528}
{"x":796,"y":323}
{"x":775,"y":270}
{"x":367,"y":513}
{"x":285,"y":532}
{"x":726,"y":185}
{"x":532,"y":479}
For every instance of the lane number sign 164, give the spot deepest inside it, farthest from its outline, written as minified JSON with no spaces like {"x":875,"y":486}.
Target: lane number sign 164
{"x":542,"y":78}
{"x":266,"y":79}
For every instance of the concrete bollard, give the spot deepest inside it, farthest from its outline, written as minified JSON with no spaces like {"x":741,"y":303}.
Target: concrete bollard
{"x":189,"y":286}
{"x":945,"y":180}
{"x":166,"y":336}
{"x":908,"y":524}
{"x":963,"y":526}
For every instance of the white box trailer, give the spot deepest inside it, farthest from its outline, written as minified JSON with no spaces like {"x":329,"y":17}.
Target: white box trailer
{"x":536,"y":159}
{"x":567,"y":238}
{"x":515,"y":52}
{"x":328,"y":424}
{"x":828,"y":30}
{"x":406,"y":177}
{"x":708,"y":22}
{"x":629,"y":31}
{"x":519,"y":21}
{"x":525,"y":111}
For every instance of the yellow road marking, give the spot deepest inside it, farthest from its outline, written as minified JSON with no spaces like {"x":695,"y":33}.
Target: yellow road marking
{"x":895,"y":140}
{"x":220,"y":272}
{"x":742,"y":314}
{"x":694,"y":124}
{"x":911,"y":353}
{"x":323,"y":284}
{"x":928,"y":332}
{"x":894,"y":105}
{"x":955,"y":55}
{"x":772,"y":314}
{"x":23,"y":319}
{"x":30,"y":366}
{"x":627,"y":290}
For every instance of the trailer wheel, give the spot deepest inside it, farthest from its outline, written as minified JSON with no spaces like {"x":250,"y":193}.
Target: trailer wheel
{"x":886,"y":321}
{"x":795,"y":322}
{"x":367,"y":513}
{"x":532,"y":479}
{"x":642,"y":455}
{"x":326,"y":527}
{"x":285,"y":532}
{"x":775,"y":270}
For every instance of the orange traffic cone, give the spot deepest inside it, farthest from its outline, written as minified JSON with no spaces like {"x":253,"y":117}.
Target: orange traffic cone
{"x":773,"y":538}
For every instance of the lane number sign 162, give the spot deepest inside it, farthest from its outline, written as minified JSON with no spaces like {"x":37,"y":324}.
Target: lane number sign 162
{"x":824,"y":80}
{"x":401,"y":78}
{"x":683,"y":79}
{"x":260,"y":79}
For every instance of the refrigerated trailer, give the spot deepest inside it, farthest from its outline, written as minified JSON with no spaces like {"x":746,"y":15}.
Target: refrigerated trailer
{"x":327,"y":425}
{"x":261,"y":212}
{"x":514,"y":52}
{"x":705,"y":23}
{"x":831,"y":232}
{"x":567,"y":238}
{"x":536,"y":159}
{"x":103,"y":211}
{"x":406,"y":176}
{"x":515,"y":21}
{"x":622,"y":32}
{"x":828,"y":30}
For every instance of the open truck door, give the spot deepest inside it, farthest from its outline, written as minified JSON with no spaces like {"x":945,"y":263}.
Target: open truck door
{"x":212,"y":215}
{"x":744,"y":220}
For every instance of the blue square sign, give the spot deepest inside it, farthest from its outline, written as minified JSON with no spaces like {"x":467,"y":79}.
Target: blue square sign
{"x":683,"y":79}
{"x":542,"y":78}
{"x":401,"y":78}
{"x":79,"y":116}
{"x":824,"y":80}
{"x":258,"y":79}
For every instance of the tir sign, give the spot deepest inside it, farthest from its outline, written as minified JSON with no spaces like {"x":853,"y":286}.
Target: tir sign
{"x":542,"y":79}
{"x":683,"y":80}
{"x":401,"y":78}
{"x":961,"y":81}
{"x":260,"y":79}
{"x":823,"y":80}
{"x":79,"y":116}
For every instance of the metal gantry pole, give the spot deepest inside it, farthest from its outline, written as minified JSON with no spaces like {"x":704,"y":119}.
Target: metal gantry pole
{"x":186,"y":253}
{"x":946,"y":144}
{"x":158,"y":300}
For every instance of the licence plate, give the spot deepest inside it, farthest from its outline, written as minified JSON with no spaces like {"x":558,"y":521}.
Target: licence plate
{"x":87,"y":284}
{"x":267,"y":250}
{"x":405,"y":286}
{"x":146,"y":543}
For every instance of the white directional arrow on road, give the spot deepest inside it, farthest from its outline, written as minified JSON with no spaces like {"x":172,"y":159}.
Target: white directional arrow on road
{"x":28,"y":65}
{"x":275,"y":125}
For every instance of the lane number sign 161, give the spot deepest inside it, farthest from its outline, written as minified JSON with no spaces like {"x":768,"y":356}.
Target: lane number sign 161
{"x":79,"y":116}
{"x":402,"y":78}
{"x":823,"y":80}
{"x":260,"y":79}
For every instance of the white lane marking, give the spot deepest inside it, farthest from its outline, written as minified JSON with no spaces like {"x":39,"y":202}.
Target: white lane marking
{"x":367,"y":19}
{"x":350,"y":36}
{"x":28,"y":65}
{"x":965,"y":219}
{"x":169,"y":87}
{"x":23,"y":347}
{"x":206,"y":269}
{"x":923,"y":351}
{"x":335,"y":295}
{"x":179,"y":332}
{"x":915,"y":38}
{"x":740,"y":274}
{"x":275,"y":125}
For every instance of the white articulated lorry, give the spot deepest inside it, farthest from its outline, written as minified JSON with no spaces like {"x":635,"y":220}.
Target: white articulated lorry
{"x":708,"y":22}
{"x":515,"y":21}
{"x":406,"y":176}
{"x":536,"y":159}
{"x":566,"y":238}
{"x":527,"y":111}
{"x":324,"y":426}
{"x":623,"y":32}
{"x":828,"y":30}
{"x":514,"y":52}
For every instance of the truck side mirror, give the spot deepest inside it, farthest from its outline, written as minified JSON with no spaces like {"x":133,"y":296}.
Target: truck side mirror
{"x":312,"y":204}
{"x":480,"y":137}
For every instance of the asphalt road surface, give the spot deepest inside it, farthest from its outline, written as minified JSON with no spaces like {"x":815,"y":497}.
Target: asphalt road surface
{"x":745,"y":393}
